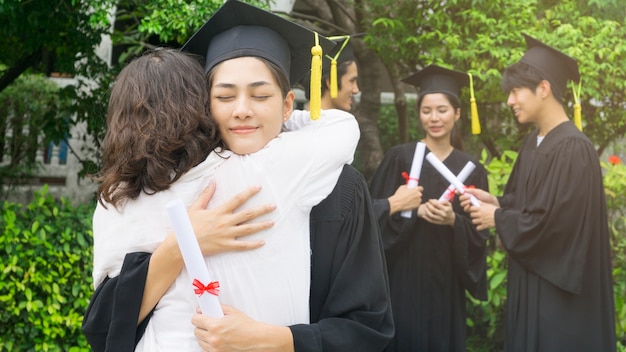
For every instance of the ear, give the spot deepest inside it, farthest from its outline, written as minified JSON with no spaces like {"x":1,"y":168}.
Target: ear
{"x":288,"y":105}
{"x":544,"y":89}
{"x":327,"y":82}
{"x":457,"y":114}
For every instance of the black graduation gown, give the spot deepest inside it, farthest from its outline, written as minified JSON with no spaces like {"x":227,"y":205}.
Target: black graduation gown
{"x":349,"y":301}
{"x":553,"y":224}
{"x":430,"y":266}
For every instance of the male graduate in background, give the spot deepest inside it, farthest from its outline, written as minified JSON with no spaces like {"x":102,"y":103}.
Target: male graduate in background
{"x":552,"y":218}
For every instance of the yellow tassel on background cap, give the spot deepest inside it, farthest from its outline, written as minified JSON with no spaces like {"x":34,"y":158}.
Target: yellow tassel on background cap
{"x":333,"y":78}
{"x":578,"y":119}
{"x":315,"y":104}
{"x":473,"y":108}
{"x":333,"y":65}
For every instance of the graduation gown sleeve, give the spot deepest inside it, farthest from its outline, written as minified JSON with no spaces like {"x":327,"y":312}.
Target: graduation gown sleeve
{"x":384,"y":183}
{"x":349,"y":301}
{"x":110,"y":323}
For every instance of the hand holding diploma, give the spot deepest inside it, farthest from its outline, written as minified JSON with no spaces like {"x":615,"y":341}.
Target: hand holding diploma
{"x":416,"y":170}
{"x":206,"y":290}
{"x":483,"y":217}
{"x":448,"y":175}
{"x":448,"y":194}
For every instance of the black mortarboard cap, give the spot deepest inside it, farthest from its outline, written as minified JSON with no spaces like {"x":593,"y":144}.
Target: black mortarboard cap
{"x":557,"y":67}
{"x":437,"y":79}
{"x":238,"y":29}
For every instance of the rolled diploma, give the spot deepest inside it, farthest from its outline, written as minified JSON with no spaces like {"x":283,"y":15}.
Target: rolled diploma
{"x":416,"y":170}
{"x":448,"y":175}
{"x":193,"y":258}
{"x":462,"y":176}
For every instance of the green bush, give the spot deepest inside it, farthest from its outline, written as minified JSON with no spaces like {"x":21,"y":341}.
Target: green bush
{"x":45,"y":274}
{"x":615,"y":187}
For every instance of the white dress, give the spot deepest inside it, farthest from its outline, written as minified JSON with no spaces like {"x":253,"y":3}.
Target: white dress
{"x":296,"y":170}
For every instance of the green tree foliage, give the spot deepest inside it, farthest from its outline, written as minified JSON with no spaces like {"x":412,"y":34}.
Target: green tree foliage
{"x":483,"y":37}
{"x":56,"y":35}
{"x":31,"y":116}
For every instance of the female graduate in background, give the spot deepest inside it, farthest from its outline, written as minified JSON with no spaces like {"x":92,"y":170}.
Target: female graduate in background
{"x":437,"y":254}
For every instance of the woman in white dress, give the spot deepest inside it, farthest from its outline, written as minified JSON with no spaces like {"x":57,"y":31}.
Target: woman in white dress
{"x":250,"y":98}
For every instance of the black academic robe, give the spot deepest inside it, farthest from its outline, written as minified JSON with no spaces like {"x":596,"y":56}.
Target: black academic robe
{"x":553,"y":224}
{"x":430,"y":266}
{"x":349,"y":301}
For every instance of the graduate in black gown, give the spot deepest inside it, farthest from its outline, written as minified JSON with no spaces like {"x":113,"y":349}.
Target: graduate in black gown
{"x":552,"y":218}
{"x":437,"y":255}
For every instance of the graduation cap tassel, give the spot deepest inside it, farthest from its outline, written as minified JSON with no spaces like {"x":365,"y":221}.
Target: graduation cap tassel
{"x":333,"y":78}
{"x":333,"y":65}
{"x":578,"y":121}
{"x":315,"y":103}
{"x":473,"y":108}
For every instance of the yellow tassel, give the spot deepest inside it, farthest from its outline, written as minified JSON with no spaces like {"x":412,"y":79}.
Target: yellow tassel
{"x":333,"y":64}
{"x":315,"y":104}
{"x":578,"y":120}
{"x":473,"y":108}
{"x":333,"y":78}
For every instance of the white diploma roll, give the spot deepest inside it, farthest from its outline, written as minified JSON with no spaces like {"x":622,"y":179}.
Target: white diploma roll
{"x":448,"y":175}
{"x":416,"y":170}
{"x":462,"y":176}
{"x":204,"y":288}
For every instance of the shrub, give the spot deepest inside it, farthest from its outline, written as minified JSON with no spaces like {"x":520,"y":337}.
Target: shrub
{"x":45,"y":274}
{"x":614,"y":188}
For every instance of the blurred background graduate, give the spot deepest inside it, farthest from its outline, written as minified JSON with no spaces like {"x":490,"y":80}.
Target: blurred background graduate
{"x":340,"y":76}
{"x":437,"y":255}
{"x":552,"y":217}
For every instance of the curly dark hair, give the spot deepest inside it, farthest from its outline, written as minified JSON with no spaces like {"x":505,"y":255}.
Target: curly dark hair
{"x":158,"y":125}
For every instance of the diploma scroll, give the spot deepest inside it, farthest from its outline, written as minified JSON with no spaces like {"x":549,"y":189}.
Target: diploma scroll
{"x":448,"y":194}
{"x":414,"y":174}
{"x":205,"y":289}
{"x":448,"y":175}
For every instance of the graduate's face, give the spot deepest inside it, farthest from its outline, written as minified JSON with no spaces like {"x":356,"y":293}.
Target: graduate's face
{"x":437,"y":115}
{"x":247,"y":104}
{"x":525,"y":104}
{"x":349,"y":88}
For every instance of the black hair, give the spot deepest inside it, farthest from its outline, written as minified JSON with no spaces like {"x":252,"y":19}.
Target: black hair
{"x":342,"y":68}
{"x":521,"y":75}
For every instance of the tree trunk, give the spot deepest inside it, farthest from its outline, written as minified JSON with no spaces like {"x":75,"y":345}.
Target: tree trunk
{"x":18,"y":68}
{"x":399,"y":102}
{"x":369,"y":152}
